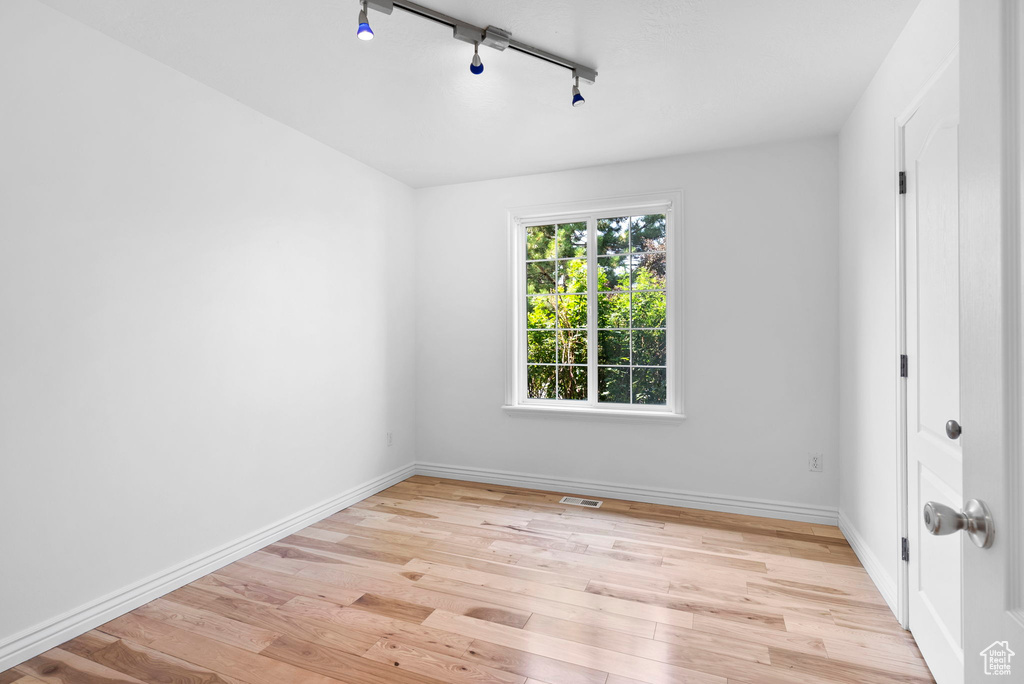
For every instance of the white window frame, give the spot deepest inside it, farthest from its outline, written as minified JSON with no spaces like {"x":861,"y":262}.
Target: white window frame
{"x":669,"y":203}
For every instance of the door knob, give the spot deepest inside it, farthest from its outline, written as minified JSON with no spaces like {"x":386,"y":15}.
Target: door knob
{"x":976,"y":519}
{"x":953,"y":429}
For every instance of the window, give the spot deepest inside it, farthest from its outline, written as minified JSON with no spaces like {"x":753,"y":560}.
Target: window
{"x":595,"y":311}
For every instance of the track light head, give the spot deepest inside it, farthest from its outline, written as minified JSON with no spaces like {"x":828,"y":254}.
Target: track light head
{"x":364,"y":31}
{"x":476,"y":66}
{"x":577,"y":99}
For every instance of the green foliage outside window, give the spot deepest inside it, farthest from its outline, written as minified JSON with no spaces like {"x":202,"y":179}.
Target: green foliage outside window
{"x":631,"y":310}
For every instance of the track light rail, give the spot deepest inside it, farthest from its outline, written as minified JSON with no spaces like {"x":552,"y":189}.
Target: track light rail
{"x":427,"y":13}
{"x":489,"y":36}
{"x":584,"y":73}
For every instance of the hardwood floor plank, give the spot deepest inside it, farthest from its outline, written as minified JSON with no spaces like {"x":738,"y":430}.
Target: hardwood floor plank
{"x":584,"y":599}
{"x":60,"y":666}
{"x":86,"y":644}
{"x":434,"y":599}
{"x":874,"y":619}
{"x":827,"y":531}
{"x":679,"y":604}
{"x":382,"y":626}
{"x":424,"y":565}
{"x":831,"y":670}
{"x":331,"y":526}
{"x":395,"y":608}
{"x":280,"y":623}
{"x":569,"y":651}
{"x":444,"y":668}
{"x":343,"y":552}
{"x":677,"y":645}
{"x":297,"y":585}
{"x":692,"y":556}
{"x":801,"y":643}
{"x":729,"y":645}
{"x":820,"y":595}
{"x":225,"y":586}
{"x":616,"y":679}
{"x":653,"y":582}
{"x":154,"y":667}
{"x":689,"y":649}
{"x":869,"y":638}
{"x":905,"y":660}
{"x":208,"y":624}
{"x":537,"y":667}
{"x":529,"y":604}
{"x":249,"y":667}
{"x":338,"y":665}
{"x":739,"y":600}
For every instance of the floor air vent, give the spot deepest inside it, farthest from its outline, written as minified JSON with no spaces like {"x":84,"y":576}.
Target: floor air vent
{"x":573,"y":501}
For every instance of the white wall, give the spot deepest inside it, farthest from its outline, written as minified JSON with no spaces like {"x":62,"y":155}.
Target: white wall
{"x":761,"y":230}
{"x":205,"y":319}
{"x":867,"y":324}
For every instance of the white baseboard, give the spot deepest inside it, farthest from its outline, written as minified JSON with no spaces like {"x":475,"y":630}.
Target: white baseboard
{"x":670,"y":497}
{"x":876,"y":570}
{"x":44,"y":636}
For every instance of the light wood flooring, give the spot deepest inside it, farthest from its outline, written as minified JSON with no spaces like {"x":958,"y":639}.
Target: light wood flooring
{"x":438,"y":581}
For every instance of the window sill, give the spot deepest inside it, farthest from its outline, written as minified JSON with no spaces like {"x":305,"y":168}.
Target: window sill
{"x":664,"y":417}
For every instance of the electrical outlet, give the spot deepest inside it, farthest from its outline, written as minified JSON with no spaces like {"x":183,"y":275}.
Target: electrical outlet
{"x":814,"y":463}
{"x":389,"y":439}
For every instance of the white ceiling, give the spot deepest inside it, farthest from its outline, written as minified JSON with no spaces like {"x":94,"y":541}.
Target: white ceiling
{"x":674,"y":75}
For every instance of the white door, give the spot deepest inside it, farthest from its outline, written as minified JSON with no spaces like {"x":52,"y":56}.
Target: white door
{"x":992,"y":355}
{"x":934,"y":458}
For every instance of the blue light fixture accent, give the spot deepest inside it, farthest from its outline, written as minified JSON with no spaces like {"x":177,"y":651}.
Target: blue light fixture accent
{"x":364,"y":31}
{"x":577,"y":99}
{"x":476,"y":66}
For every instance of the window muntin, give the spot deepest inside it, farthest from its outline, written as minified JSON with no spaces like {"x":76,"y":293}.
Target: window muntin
{"x":595,"y":330}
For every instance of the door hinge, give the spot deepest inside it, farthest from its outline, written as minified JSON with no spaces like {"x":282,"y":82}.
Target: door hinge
{"x":903,"y":182}
{"x":906,"y":550}
{"x":903,"y":365}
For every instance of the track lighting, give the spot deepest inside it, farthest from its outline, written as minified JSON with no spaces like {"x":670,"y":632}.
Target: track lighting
{"x":491,"y":36}
{"x":476,"y":66}
{"x":577,"y":99}
{"x":364,"y":31}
